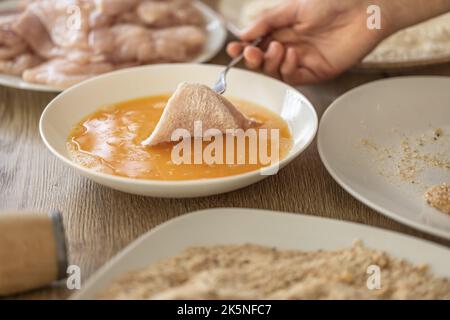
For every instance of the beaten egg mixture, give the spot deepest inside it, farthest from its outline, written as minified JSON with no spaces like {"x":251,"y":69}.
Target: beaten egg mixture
{"x":109,"y":141}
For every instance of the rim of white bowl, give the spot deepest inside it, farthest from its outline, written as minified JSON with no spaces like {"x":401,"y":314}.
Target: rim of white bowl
{"x":147,"y":182}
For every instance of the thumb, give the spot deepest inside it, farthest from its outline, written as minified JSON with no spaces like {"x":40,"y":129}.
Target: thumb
{"x":282,"y":16}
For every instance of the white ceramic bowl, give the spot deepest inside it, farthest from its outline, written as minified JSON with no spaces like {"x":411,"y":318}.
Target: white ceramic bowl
{"x":74,"y":104}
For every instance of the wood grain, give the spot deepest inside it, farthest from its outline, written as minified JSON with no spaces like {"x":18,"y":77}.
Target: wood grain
{"x":100,"y":221}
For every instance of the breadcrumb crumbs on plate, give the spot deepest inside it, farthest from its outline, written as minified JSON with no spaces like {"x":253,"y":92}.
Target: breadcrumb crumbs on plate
{"x":439,"y":197}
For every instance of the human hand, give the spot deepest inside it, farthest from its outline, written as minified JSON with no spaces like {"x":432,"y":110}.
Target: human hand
{"x":310,"y":40}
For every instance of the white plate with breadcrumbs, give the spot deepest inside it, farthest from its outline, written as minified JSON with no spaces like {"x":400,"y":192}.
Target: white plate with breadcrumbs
{"x":215,"y":28}
{"x":387,"y":142}
{"x":250,"y":226}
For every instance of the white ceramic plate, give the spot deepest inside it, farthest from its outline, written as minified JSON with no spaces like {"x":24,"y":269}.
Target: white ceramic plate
{"x":384,"y":113}
{"x":217,"y":35}
{"x":74,"y":104}
{"x":281,"y":230}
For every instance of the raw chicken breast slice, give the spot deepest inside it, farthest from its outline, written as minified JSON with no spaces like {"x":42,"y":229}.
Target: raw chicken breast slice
{"x":178,"y":44}
{"x":128,"y":42}
{"x":197,"y":102}
{"x":58,"y":18}
{"x":11,"y":44}
{"x":115,"y":7}
{"x":30,"y":27}
{"x":160,"y":14}
{"x":98,"y":19}
{"x":17,"y":65}
{"x":61,"y":73}
{"x":12,"y":51}
{"x":124,"y":43}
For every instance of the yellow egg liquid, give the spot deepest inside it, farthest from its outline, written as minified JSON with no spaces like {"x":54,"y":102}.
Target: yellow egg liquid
{"x":109,"y":141}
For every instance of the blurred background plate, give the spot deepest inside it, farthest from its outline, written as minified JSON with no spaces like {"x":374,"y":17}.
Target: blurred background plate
{"x":216,"y":30}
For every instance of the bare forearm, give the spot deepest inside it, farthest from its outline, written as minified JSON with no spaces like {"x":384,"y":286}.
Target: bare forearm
{"x":400,"y":14}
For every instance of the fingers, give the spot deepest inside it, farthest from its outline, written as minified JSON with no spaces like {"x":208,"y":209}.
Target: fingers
{"x":292,"y":65}
{"x":234,"y":49}
{"x":254,"y":57}
{"x":273,"y":58}
{"x":283,"y":16}
{"x":293,"y":73}
{"x":289,"y":65}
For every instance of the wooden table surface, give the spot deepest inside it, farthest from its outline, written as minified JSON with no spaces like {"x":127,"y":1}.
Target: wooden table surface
{"x":100,"y":221}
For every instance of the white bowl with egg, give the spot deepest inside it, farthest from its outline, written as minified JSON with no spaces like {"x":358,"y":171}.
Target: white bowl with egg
{"x":76,"y":103}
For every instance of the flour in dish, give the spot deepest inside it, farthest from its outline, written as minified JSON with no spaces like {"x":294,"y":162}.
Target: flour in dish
{"x":428,"y":40}
{"x":257,"y":272}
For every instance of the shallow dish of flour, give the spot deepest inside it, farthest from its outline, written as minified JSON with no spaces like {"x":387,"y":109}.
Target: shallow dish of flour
{"x":265,"y":228}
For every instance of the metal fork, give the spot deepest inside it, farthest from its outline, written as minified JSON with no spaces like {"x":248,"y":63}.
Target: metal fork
{"x":221,"y":85}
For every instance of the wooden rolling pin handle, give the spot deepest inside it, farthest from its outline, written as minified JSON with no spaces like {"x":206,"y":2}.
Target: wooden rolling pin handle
{"x":32,"y":251}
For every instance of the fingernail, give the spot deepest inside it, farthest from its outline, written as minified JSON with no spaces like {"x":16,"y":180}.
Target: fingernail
{"x":243,"y":34}
{"x":291,"y":54}
{"x":271,"y":49}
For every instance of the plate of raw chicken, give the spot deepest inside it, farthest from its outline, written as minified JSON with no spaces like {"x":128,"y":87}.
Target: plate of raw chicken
{"x":50,"y":45}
